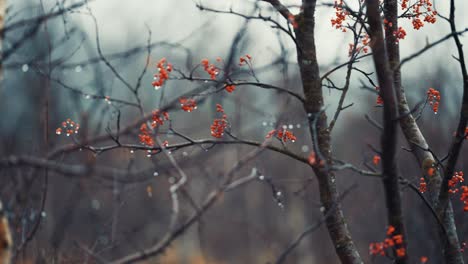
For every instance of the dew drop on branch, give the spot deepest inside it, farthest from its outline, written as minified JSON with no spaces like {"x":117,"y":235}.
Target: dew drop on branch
{"x":95,"y":204}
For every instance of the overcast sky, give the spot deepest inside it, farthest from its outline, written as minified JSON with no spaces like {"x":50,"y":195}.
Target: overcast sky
{"x":172,"y":20}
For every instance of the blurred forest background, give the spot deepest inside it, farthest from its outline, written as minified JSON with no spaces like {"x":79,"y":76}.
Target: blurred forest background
{"x":57,"y":73}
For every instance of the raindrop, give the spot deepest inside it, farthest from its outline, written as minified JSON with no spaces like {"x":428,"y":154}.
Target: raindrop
{"x":264,"y":123}
{"x":298,"y":125}
{"x":95,"y":204}
{"x":290,"y":126}
{"x":155,"y":174}
{"x":185,"y":154}
{"x":261,"y":177}
{"x":32,"y":216}
{"x":43,"y":214}
{"x":104,"y":240}
{"x":132,"y":151}
{"x":87,"y":96}
{"x":78,"y":68}
{"x":278,"y":193}
{"x":25,"y":68}
{"x":305,"y":148}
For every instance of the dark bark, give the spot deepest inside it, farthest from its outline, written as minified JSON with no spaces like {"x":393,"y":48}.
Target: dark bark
{"x":415,"y":138}
{"x":390,"y":117}
{"x":444,"y":208}
{"x":336,"y":224}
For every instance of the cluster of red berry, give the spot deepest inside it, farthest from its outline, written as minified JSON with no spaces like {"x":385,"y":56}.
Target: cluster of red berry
{"x":164,"y":69}
{"x":68,"y":127}
{"x":400,"y":33}
{"x":421,"y":7}
{"x":392,"y":241}
{"x":245,"y":60}
{"x":376,"y":159}
{"x":340,"y":14}
{"x":282,"y":134}
{"x":293,"y":21}
{"x":379,"y":98}
{"x":145,"y":136}
{"x":457,"y":179}
{"x":159,"y":117}
{"x":364,"y":47}
{"x":422,"y":185}
{"x":211,"y":69}
{"x":219,"y":124}
{"x":433,"y":96}
{"x":314,"y":160}
{"x":230,"y":88}
{"x":188,"y":105}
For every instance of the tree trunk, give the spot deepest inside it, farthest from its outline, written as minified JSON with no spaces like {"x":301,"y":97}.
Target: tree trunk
{"x":307,"y":59}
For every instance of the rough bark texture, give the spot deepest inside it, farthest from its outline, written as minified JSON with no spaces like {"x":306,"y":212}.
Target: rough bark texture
{"x":390,"y":114}
{"x":455,"y":148}
{"x":336,"y":224}
{"x":416,"y":139}
{"x":444,"y":209}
